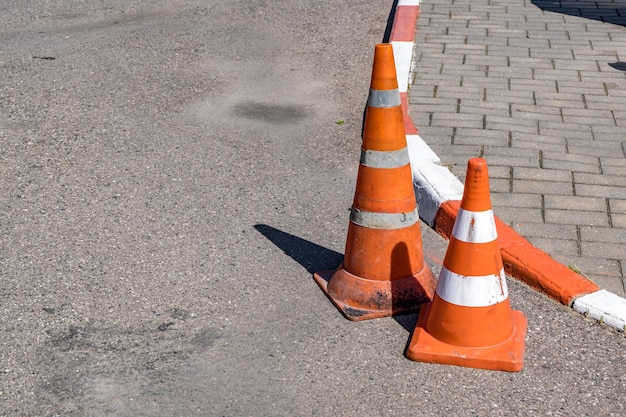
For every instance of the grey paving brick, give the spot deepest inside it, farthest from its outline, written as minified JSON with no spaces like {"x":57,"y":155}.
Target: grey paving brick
{"x":555,"y":246}
{"x":557,"y":74}
{"x":514,"y":215}
{"x":591,"y":151}
{"x":566,"y":202}
{"x":617,"y":162}
{"x":465,"y":49}
{"x":570,"y":158}
{"x":579,"y":87}
{"x":596,"y":76}
{"x":603,"y":234}
{"x":569,"y":165}
{"x":420,"y":107}
{"x":465,"y":92}
{"x":536,"y":116}
{"x":552,"y":231}
{"x":503,"y":95}
{"x":483,"y":107}
{"x":550,"y":53}
{"x":600,"y":191}
{"x":490,"y":60}
{"x":545,"y":86}
{"x":507,"y":72}
{"x":506,"y":151}
{"x":480,"y":140}
{"x":508,"y":51}
{"x":518,"y":62}
{"x":602,"y":250}
{"x":527,"y":43}
{"x":613,"y":170}
{"x":596,"y":266}
{"x":548,"y":98}
{"x":574,"y":113}
{"x":577,"y":217}
{"x":465,"y":69}
{"x":509,"y":32}
{"x":569,"y":64}
{"x":512,"y":124}
{"x":542,"y":187}
{"x":457,"y":120}
{"x":539,"y":174}
{"x":499,"y":172}
{"x":566,"y":130}
{"x":499,"y":185}
{"x":496,"y":83}
{"x":596,"y":179}
{"x":519,"y":141}
{"x":619,"y":220}
{"x":461,"y":132}
{"x":540,"y":140}
{"x":525,"y":108}
{"x":481,"y":37}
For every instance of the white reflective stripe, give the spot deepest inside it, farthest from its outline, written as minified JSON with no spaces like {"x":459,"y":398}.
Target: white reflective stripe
{"x":385,"y":159}
{"x":384,"y":98}
{"x":475,"y":226}
{"x":479,"y":291}
{"x":383,"y":220}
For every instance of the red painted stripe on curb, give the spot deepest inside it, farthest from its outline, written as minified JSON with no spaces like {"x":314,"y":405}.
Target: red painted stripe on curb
{"x":524,"y":261}
{"x":409,"y":126}
{"x":403,"y":29}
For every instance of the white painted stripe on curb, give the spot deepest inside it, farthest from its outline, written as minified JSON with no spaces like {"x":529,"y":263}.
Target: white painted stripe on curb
{"x":605,"y":307}
{"x":402,"y":55}
{"x":419,"y":151}
{"x":475,"y":226}
{"x":475,"y":291}
{"x":408,"y":2}
{"x":434,"y":185}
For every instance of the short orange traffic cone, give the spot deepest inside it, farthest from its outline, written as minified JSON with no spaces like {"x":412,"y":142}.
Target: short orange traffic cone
{"x":470,"y":322}
{"x":383,"y":271}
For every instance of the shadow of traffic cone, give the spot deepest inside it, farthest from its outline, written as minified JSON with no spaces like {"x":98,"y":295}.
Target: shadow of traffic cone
{"x":383,"y":271}
{"x":470,"y":322}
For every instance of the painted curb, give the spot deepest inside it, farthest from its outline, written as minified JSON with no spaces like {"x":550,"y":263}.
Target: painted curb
{"x":439,"y":192}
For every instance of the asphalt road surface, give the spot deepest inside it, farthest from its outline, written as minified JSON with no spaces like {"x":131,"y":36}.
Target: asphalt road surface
{"x":171,"y":175}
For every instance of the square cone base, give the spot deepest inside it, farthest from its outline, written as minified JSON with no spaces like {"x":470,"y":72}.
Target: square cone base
{"x":353,"y":313}
{"x":507,"y":356}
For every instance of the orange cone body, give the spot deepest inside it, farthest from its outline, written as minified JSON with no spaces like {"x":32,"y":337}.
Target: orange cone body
{"x":470,"y":322}
{"x":383,"y":271}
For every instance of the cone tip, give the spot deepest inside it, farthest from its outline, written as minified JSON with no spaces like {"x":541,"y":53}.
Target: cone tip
{"x":476,"y":195}
{"x":384,"y":68}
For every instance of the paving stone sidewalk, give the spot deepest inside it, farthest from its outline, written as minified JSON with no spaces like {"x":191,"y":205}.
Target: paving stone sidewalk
{"x":538,"y":88}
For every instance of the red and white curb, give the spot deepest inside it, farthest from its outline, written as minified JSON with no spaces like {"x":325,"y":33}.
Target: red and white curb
{"x":439,"y":192}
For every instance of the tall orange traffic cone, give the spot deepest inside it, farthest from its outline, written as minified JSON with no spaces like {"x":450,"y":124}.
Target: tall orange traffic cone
{"x":470,"y":322}
{"x":383,"y":271}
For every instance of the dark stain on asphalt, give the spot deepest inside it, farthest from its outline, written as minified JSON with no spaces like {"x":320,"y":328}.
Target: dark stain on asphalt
{"x":206,"y":337}
{"x":275,"y":114}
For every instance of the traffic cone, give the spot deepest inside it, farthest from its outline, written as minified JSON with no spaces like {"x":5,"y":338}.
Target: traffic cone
{"x":383,"y":271}
{"x":470,"y":322}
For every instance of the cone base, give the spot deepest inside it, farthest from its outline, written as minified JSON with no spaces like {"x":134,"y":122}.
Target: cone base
{"x":507,"y":356}
{"x":363,"y":299}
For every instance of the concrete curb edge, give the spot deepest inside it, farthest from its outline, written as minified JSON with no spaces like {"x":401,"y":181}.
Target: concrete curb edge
{"x":438,"y":192}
